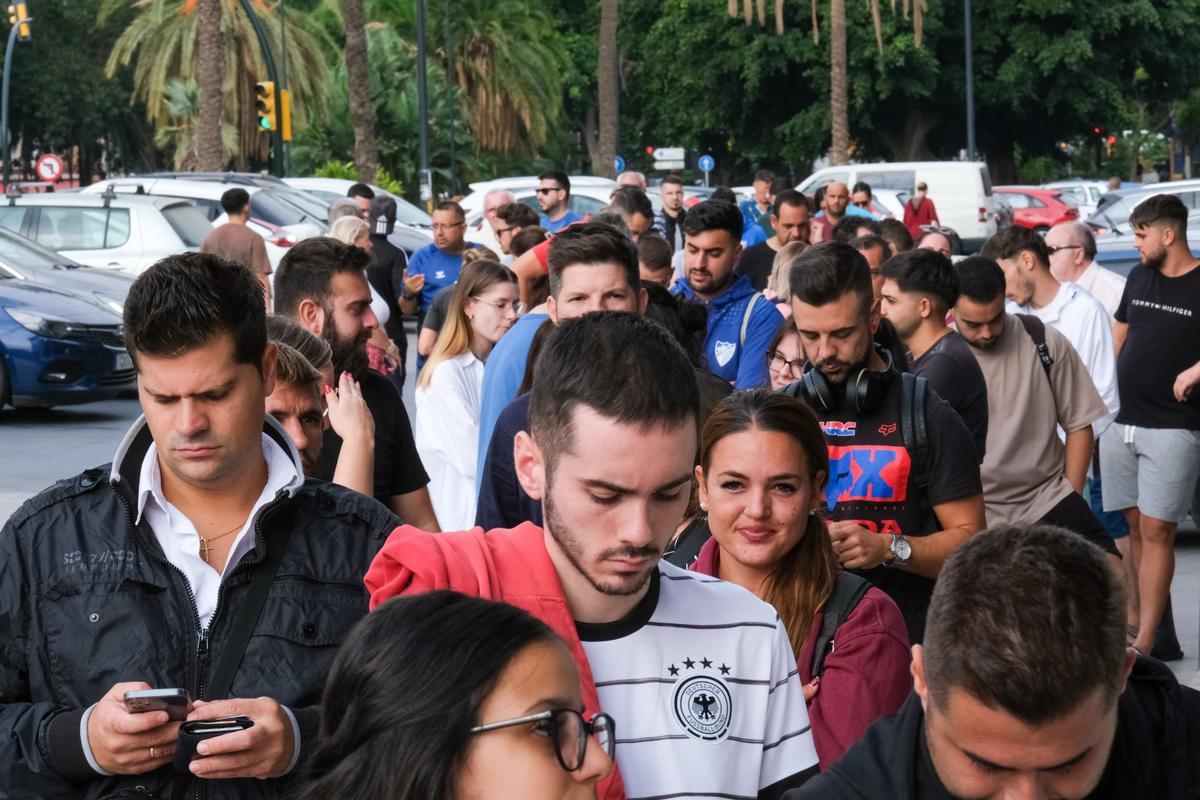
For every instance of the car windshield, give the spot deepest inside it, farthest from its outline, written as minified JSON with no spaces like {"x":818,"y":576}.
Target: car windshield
{"x":190,"y":223}
{"x":20,"y":252}
{"x":306,"y":204}
{"x":273,"y":210}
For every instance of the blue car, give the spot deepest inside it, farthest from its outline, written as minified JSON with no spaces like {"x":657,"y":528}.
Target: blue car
{"x":58,"y":349}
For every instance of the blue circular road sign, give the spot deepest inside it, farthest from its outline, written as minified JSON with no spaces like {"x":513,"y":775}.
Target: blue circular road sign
{"x":706,"y":163}
{"x":619,"y":164}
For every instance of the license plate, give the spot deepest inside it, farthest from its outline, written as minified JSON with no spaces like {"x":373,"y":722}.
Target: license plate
{"x":124,"y":362}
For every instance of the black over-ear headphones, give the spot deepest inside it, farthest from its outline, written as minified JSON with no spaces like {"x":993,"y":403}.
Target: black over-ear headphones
{"x":864,"y":390}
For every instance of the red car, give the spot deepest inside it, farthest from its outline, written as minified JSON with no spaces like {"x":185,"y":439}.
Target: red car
{"x":1036,"y":208}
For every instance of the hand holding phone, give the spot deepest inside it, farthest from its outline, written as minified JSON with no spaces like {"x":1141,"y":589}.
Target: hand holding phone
{"x":130,"y":743}
{"x":173,"y":701}
{"x":194,"y":732}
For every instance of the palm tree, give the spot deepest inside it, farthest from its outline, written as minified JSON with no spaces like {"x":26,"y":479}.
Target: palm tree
{"x":181,"y":104}
{"x":210,"y":75}
{"x":839,"y":73}
{"x":361,"y":108}
{"x":161,"y":43}
{"x":605,"y":154}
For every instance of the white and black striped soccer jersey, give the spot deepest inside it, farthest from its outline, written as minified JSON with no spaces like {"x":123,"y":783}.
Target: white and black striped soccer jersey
{"x":701,"y":681}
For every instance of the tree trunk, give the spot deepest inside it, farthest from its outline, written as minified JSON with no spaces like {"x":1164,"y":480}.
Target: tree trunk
{"x":210,"y":74}
{"x":362,"y":112}
{"x":606,"y":78}
{"x":839,"y":84}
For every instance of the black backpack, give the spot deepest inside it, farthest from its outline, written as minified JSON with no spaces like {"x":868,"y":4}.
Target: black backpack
{"x":847,"y":591}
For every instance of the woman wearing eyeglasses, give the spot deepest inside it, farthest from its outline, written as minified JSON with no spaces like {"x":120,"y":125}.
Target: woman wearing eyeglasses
{"x":762,"y":476}
{"x":450,"y":697}
{"x":785,"y":358}
{"x":483,"y":306}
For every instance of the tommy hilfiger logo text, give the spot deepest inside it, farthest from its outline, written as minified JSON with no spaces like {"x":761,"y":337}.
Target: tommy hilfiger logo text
{"x":1183,"y":312}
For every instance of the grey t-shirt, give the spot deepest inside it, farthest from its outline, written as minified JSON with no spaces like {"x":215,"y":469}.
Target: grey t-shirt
{"x":435,"y":317}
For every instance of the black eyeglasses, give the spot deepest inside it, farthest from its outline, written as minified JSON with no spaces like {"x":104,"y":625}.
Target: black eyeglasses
{"x":1055,"y":248}
{"x":570,"y":733}
{"x":779,"y":363}
{"x":544,"y":190}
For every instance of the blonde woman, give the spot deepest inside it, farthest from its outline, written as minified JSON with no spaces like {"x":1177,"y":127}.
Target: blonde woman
{"x":383,"y":355}
{"x":483,"y":306}
{"x":778,"y":291}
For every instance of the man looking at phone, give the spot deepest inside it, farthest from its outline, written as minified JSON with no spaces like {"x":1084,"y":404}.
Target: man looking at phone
{"x":138,"y":575}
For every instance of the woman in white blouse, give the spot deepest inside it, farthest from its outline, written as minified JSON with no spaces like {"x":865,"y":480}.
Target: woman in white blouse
{"x":483,"y":306}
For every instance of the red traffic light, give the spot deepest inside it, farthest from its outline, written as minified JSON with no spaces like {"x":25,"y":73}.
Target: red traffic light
{"x":649,"y":150}
{"x":1112,"y":140}
{"x":1096,"y":131}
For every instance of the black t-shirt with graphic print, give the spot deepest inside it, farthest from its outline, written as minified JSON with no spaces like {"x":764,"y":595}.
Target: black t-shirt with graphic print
{"x":871,"y":482}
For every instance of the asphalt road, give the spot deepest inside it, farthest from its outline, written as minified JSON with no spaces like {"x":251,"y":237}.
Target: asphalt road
{"x":38,"y":448}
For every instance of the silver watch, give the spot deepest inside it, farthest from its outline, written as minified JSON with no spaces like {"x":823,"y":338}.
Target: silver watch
{"x":901,"y":551}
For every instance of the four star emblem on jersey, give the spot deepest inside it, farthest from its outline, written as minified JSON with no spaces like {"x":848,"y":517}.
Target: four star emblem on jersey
{"x":702,"y":702}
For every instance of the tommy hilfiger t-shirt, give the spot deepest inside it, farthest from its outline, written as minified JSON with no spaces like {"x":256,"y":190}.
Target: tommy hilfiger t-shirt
{"x":702,"y":683}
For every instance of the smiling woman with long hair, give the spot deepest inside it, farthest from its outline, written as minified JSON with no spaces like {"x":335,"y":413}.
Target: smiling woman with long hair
{"x":762,"y":474}
{"x":483,"y":306}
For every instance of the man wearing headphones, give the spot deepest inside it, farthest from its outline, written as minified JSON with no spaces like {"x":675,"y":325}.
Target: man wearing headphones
{"x":904,"y":487}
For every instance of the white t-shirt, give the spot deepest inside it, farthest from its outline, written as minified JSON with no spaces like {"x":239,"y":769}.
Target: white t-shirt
{"x":447,"y":438}
{"x":702,"y":684}
{"x":1084,"y":321}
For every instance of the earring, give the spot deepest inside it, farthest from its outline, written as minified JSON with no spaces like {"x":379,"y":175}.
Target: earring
{"x":704,"y":506}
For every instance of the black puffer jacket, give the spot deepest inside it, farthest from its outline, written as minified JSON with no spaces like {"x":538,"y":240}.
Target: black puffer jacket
{"x":88,"y":600}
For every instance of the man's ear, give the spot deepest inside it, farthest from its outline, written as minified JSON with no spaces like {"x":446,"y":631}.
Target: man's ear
{"x":643,"y":300}
{"x":1168,"y":235}
{"x":917,"y":668}
{"x":552,"y":309}
{"x":310,"y":314}
{"x":530,"y":466}
{"x":1026,"y":260}
{"x":269,"y":361}
{"x":925,"y":308}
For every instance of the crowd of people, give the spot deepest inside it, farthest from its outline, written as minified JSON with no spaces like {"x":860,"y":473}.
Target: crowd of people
{"x":774,"y":500}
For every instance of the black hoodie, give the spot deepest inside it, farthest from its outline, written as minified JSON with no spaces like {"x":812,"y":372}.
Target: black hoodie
{"x":1155,"y":755}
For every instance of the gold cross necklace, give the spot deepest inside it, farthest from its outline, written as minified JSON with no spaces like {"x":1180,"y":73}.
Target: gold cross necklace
{"x":205,"y":544}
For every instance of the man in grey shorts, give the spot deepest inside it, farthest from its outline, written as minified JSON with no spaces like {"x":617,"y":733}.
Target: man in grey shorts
{"x":1150,"y":457}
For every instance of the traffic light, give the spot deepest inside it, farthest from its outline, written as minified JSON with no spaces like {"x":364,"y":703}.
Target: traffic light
{"x":264,"y":92}
{"x":18,"y":14}
{"x":285,"y":114}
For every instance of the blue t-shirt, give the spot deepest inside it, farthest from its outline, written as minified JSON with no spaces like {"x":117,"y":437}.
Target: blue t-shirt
{"x":751,"y":212}
{"x":556,"y":225}
{"x":440,"y":270}
{"x":502,"y":375}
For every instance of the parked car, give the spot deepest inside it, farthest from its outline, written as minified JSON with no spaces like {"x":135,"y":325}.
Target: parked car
{"x":961,"y":190}
{"x":1112,"y":214}
{"x":1036,"y":208}
{"x":330,"y":189}
{"x":116,"y":231}
{"x":1004,"y":212}
{"x":57,"y":349}
{"x":1082,"y":193}
{"x":27,"y":261}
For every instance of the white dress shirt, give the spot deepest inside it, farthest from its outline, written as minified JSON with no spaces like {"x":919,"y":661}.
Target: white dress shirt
{"x":447,"y":435}
{"x":1104,"y":285}
{"x":178,"y":538}
{"x":1083,"y":320}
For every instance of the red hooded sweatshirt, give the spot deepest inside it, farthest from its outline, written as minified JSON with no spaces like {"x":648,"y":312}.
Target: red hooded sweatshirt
{"x":505,"y":565}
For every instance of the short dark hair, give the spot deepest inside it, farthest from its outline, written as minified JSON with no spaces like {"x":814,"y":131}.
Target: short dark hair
{"x":847,"y":228}
{"x":307,"y":269}
{"x":672,"y":178}
{"x":450,"y":205}
{"x":1010,"y":242}
{"x":714,"y":215}
{"x":861,"y":186}
{"x":404,"y":691}
{"x":780,"y":184}
{"x":980,"y":279}
{"x":526,"y":239}
{"x":764,"y":175}
{"x":235,"y":200}
{"x":1166,"y":210}
{"x":896,"y":233}
{"x":724,"y":194}
{"x":558,"y":177}
{"x":924,"y":272}
{"x":826,"y":272}
{"x":790,"y":197}
{"x":632,"y":200}
{"x":592,"y":243}
{"x":360,"y":190}
{"x":186,"y":301}
{"x":592,"y":361}
{"x":517,"y":215}
{"x":654,"y":251}
{"x":1029,"y":619}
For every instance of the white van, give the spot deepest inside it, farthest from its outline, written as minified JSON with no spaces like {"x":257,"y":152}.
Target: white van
{"x":961,"y":191}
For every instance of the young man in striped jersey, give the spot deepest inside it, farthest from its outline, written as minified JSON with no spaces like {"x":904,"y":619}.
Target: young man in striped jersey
{"x":697,"y":673}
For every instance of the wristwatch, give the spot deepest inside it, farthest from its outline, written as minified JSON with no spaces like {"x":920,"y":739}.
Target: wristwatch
{"x":901,"y":551}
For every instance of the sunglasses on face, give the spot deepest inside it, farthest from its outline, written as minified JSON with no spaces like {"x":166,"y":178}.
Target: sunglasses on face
{"x":1056,"y":248}
{"x":548,"y":190}
{"x":568,"y":730}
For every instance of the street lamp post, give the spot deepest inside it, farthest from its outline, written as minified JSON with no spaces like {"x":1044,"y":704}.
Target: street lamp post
{"x":970,"y":81}
{"x":20,"y":29}
{"x":273,"y":75}
{"x":426,"y":175}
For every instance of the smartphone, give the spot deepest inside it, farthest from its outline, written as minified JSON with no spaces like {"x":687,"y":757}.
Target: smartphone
{"x":173,"y":701}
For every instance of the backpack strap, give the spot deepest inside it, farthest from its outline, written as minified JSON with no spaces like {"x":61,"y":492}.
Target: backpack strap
{"x":1037,"y":331}
{"x":847,"y":591}
{"x":754,"y":298}
{"x":913,"y":427}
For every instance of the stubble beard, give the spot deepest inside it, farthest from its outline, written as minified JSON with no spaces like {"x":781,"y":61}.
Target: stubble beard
{"x":571,"y":547}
